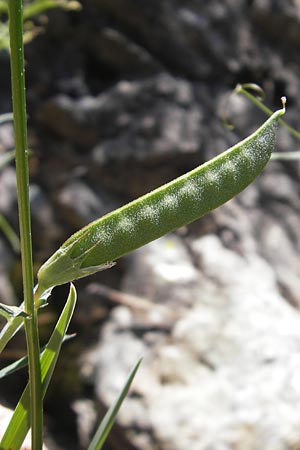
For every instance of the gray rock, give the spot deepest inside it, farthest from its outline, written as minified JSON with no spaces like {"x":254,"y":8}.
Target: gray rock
{"x":284,"y":14}
{"x":45,"y":230}
{"x":79,"y":204}
{"x":118,"y":52}
{"x":137,"y":120}
{"x":86,"y":416}
{"x":225,"y":374}
{"x":279,"y":224}
{"x":190,"y":42}
{"x":66,"y":117}
{"x":164,"y":271}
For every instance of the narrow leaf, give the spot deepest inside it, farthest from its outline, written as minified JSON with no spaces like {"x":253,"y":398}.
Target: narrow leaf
{"x":8,"y":311}
{"x":37,"y":7}
{"x":9,"y":330}
{"x":13,"y":367}
{"x":9,"y":232}
{"x":109,"y":418}
{"x":23,"y":362}
{"x":20,"y":421}
{"x":7,"y":157}
{"x":286,"y":156}
{"x":14,"y":324}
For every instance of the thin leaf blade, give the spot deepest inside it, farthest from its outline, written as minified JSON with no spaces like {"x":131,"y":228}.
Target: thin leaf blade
{"x":23,"y":362}
{"x":9,"y":312}
{"x":9,"y":330}
{"x":109,"y":418}
{"x":20,"y":421}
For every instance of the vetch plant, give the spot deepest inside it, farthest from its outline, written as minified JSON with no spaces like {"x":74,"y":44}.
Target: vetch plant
{"x":100,"y":243}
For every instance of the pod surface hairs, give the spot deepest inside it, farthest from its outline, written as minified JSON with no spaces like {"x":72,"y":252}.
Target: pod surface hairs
{"x":163,"y":210}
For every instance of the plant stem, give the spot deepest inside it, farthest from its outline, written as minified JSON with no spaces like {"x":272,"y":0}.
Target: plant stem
{"x":21,"y":150}
{"x":240,"y":89}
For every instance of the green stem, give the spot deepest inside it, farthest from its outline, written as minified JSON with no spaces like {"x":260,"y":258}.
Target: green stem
{"x":21,"y":150}
{"x":242,"y":90}
{"x":288,"y":156}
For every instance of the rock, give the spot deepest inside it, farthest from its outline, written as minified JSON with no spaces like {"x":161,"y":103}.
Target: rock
{"x":45,"y":230}
{"x":86,"y":416}
{"x":67,"y":118}
{"x":218,"y":377}
{"x":159,"y":117}
{"x":80,"y":204}
{"x":121,"y":54}
{"x":163,"y":270}
{"x":190,"y":43}
{"x":283,"y":15}
{"x":279,"y":223}
{"x":138,"y":120}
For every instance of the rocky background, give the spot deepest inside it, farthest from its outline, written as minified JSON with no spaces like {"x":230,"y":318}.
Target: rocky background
{"x":123,"y":96}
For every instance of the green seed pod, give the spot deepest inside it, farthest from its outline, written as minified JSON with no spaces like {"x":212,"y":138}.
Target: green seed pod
{"x":163,"y":210}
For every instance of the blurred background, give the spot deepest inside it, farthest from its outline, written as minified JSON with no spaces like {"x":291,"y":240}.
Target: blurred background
{"x":124,"y":95}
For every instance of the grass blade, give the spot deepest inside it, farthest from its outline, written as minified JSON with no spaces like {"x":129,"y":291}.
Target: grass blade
{"x":13,"y":367}
{"x":7,"y":157}
{"x":14,"y":324}
{"x":9,"y":232}
{"x":9,"y":312}
{"x":40,"y":6}
{"x":23,"y":362}
{"x":109,"y":418}
{"x":9,"y":330}
{"x":20,"y":421}
{"x":286,"y":156}
{"x":14,"y":316}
